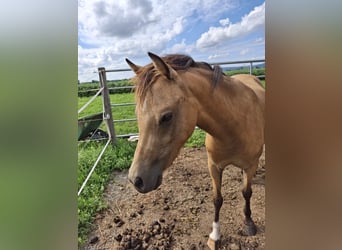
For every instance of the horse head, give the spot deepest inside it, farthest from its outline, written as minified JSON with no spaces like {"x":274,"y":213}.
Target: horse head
{"x":166,"y":116}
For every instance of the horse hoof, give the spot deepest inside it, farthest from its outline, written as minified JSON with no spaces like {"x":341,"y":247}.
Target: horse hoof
{"x":250,"y":229}
{"x":212,"y":244}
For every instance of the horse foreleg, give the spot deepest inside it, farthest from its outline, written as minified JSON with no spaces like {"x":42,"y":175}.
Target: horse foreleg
{"x":216,"y":176}
{"x":248,"y":174}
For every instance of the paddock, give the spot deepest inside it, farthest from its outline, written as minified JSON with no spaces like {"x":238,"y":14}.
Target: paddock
{"x":175,"y":216}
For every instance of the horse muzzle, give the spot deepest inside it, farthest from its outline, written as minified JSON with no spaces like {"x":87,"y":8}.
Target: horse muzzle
{"x":145,"y":185}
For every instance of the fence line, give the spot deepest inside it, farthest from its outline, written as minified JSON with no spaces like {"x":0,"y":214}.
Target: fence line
{"x":123,"y":104}
{"x":241,"y":62}
{"x":238,"y":62}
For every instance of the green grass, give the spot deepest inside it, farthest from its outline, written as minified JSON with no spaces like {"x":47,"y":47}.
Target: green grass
{"x":94,"y":107}
{"x":125,"y":112}
{"x":118,"y":112}
{"x":197,"y":139}
{"x":90,"y":200}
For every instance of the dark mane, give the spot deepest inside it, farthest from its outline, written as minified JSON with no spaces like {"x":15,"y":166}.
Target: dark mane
{"x":147,"y":75}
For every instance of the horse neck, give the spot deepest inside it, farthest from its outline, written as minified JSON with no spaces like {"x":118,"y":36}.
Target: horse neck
{"x":214,"y":105}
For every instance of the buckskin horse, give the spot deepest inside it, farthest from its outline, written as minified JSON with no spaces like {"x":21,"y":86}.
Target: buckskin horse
{"x":174,"y":94}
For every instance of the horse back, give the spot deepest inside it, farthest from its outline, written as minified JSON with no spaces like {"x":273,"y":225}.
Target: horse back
{"x":254,"y":83}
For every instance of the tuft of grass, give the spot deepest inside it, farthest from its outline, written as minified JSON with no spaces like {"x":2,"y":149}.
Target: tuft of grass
{"x":197,"y":139}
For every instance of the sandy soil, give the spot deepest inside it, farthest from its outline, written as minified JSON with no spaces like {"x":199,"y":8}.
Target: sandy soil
{"x":179,"y":214}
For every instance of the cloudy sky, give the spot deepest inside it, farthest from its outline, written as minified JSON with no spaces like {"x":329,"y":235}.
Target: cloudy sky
{"x":208,"y":30}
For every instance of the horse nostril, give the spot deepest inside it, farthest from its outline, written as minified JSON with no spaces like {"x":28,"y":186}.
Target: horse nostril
{"x":138,"y":183}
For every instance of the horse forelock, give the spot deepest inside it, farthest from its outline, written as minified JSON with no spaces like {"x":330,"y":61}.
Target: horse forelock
{"x":148,"y":75}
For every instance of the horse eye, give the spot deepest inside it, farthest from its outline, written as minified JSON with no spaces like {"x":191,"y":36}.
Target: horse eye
{"x":166,"y":118}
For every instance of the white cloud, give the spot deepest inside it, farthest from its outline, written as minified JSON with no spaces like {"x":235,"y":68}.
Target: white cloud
{"x":129,"y":28}
{"x":217,"y":56}
{"x":119,"y":19}
{"x":249,"y":23}
{"x":111,"y":23}
{"x":224,"y":22}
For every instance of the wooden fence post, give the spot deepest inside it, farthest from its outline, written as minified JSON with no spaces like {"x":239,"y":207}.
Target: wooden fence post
{"x":107,"y":110}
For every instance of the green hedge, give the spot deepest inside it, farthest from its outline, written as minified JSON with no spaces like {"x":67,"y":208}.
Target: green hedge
{"x":89,"y":89}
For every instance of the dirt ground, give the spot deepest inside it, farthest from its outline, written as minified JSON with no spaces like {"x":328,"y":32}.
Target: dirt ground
{"x":179,"y":214}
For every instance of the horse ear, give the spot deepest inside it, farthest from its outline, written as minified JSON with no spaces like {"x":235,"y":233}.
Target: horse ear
{"x":133,"y":66}
{"x":161,"y":66}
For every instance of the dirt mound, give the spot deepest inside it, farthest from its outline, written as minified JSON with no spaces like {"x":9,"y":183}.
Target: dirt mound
{"x":179,"y":214}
